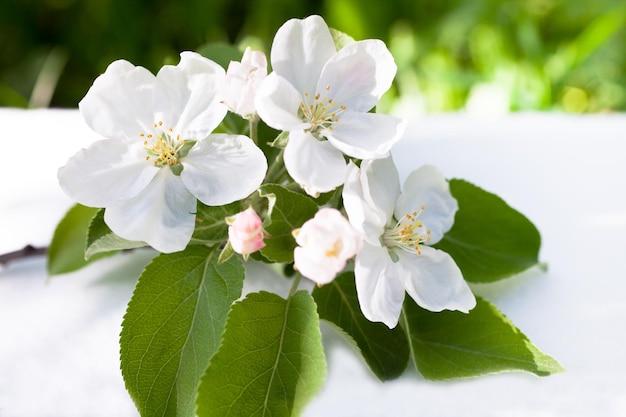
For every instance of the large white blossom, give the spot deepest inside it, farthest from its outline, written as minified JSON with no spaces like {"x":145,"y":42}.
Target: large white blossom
{"x":159,"y":156}
{"x":322,"y":97}
{"x":399,"y":227}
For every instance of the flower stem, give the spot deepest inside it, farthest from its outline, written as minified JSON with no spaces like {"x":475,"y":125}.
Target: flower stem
{"x":276,"y":171}
{"x":253,"y":126}
{"x":294,"y":285}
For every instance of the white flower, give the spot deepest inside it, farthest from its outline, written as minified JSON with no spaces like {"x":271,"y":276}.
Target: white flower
{"x":245,"y":232}
{"x":316,"y":92}
{"x":326,"y":242}
{"x":398,"y":227}
{"x":159,"y":155}
{"x":242,"y":80}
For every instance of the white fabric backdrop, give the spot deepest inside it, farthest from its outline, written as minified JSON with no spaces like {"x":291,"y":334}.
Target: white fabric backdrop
{"x":58,"y":337}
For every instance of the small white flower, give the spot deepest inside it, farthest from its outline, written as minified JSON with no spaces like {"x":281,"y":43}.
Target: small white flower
{"x":322,"y":97}
{"x":398,"y":227}
{"x":242,"y":81}
{"x":159,"y":155}
{"x":326,"y":242}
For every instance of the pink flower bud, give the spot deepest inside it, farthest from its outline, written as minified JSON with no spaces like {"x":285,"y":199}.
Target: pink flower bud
{"x":241,"y":82}
{"x":326,"y":242}
{"x":245,"y":232}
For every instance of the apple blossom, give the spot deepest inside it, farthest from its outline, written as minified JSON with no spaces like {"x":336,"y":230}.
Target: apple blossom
{"x":245,"y":232}
{"x":326,"y":242}
{"x":159,"y":156}
{"x":322,"y":97}
{"x":399,"y":227}
{"x":242,"y":80}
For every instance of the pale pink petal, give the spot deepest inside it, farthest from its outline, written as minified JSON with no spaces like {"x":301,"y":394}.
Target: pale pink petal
{"x":427,"y":187}
{"x":223,"y":168}
{"x":379,"y":290}
{"x":434,"y":281}
{"x":119,"y":103}
{"x":365,"y":135}
{"x":162,"y":215}
{"x":358,"y":75}
{"x":245,"y":232}
{"x":300,"y":49}
{"x":326,"y":242}
{"x":316,"y":165}
{"x":107,"y":172}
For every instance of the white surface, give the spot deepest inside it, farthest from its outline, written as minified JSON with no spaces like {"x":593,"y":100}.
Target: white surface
{"x":58,"y":337}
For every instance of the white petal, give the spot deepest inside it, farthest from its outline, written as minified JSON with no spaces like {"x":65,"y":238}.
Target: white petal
{"x":299,"y":51}
{"x":365,"y":135}
{"x":427,"y":187}
{"x":369,"y":195}
{"x":223,"y":168}
{"x":379,"y":290}
{"x":277,"y":103}
{"x":316,"y":165}
{"x":434,"y":281}
{"x":358,"y":75}
{"x":163,"y":215}
{"x":107,"y":172}
{"x":119,"y":103}
{"x":186,"y":96}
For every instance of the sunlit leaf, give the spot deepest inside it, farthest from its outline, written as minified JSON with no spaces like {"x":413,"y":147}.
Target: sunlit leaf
{"x":451,"y":344}
{"x":101,"y":239}
{"x":67,"y":248}
{"x":173,"y":325}
{"x":271,"y":362}
{"x":489,"y":240}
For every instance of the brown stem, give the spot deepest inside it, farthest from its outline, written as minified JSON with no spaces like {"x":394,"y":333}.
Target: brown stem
{"x":25,"y":252}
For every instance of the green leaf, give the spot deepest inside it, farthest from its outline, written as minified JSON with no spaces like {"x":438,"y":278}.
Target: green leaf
{"x":451,"y":344}
{"x":489,"y":240}
{"x":271,"y":362}
{"x":173,"y":325}
{"x":211,"y":224}
{"x":288,"y":211}
{"x":67,"y":249}
{"x":220,"y":52}
{"x":100,"y":238}
{"x":385,"y":350}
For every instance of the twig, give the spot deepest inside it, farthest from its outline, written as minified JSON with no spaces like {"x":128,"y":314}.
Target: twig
{"x":25,"y":252}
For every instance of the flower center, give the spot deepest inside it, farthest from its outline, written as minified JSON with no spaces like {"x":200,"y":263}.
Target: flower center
{"x":321,"y":111}
{"x":409,"y":233}
{"x":164,"y":148}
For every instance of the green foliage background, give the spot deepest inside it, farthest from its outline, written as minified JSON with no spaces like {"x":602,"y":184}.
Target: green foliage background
{"x":564,"y":55}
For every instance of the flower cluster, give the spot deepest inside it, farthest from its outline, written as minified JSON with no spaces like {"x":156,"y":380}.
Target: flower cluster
{"x":161,"y":158}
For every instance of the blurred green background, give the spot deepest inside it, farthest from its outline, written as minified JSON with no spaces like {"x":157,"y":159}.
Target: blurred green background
{"x":476,"y":55}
